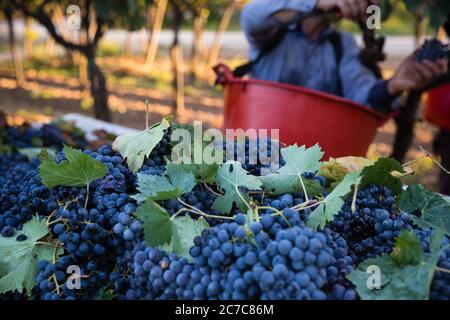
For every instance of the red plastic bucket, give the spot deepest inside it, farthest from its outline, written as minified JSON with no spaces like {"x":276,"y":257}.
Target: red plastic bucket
{"x":437,"y":106}
{"x":306,"y":117}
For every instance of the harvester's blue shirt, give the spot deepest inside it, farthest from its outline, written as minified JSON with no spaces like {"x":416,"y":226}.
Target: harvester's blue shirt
{"x":309,"y":63}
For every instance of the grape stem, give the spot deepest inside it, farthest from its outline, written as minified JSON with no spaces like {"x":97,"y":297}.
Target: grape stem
{"x":56,"y":284}
{"x":54,"y":261}
{"x":242,"y":198}
{"x":56,"y":221}
{"x":277,"y":213}
{"x":304,"y":188}
{"x":443,"y":270}
{"x":146,"y":114}
{"x":427,"y":155}
{"x":201,"y":213}
{"x":355,"y":195}
{"x":211,"y":190}
{"x":435,"y":161}
{"x":87,"y":196}
{"x":304,"y":206}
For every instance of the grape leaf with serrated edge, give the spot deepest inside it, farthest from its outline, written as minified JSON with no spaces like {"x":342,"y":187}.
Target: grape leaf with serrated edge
{"x":288,"y":178}
{"x":31,"y":153}
{"x":173,"y":235}
{"x":19,"y":258}
{"x":426,"y":208}
{"x":407,"y":249}
{"x":181,"y":178}
{"x":78,"y":170}
{"x":278,"y":184}
{"x":203,"y":172}
{"x":184,"y":231}
{"x":157,"y":223}
{"x":230,"y":177}
{"x":134,"y":147}
{"x":161,"y":188}
{"x":400,"y":282}
{"x":380,"y":173}
{"x":331,"y":205}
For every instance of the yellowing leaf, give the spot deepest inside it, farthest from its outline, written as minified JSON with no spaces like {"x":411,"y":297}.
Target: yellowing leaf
{"x":134,"y":147}
{"x":354,"y":164}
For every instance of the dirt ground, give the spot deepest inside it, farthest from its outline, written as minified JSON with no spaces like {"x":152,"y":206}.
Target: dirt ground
{"x":46,"y":96}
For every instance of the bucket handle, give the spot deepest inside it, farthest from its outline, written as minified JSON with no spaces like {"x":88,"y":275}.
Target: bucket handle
{"x":223,"y":73}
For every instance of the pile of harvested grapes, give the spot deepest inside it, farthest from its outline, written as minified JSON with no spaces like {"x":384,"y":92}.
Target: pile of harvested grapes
{"x":125,"y":222}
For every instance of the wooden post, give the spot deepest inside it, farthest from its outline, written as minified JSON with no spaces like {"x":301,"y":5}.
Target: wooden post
{"x":157,"y":24}
{"x":15,"y":57}
{"x":214,"y":51}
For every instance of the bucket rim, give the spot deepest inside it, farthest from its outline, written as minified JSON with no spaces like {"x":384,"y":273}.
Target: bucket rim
{"x":290,"y":87}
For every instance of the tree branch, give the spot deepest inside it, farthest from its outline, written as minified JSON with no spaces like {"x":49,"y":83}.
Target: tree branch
{"x":46,"y":21}
{"x":86,"y":20}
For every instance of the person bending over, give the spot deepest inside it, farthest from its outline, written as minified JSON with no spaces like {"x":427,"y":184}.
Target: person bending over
{"x":303,"y":51}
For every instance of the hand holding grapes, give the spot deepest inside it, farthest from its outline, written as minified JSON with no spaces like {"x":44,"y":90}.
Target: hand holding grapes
{"x":351,"y":9}
{"x":413,"y":74}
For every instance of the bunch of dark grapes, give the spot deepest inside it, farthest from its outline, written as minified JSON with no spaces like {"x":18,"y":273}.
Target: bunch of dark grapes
{"x":156,"y":274}
{"x":256,"y":156}
{"x":47,"y":135}
{"x":88,"y":235}
{"x":432,"y":50}
{"x":22,"y":194}
{"x":201,"y":198}
{"x":155,"y":164}
{"x":440,"y":287}
{"x":276,"y":258}
{"x":370,"y":230}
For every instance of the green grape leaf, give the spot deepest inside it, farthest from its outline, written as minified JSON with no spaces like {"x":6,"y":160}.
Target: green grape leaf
{"x":134,"y":147}
{"x":180,"y":177}
{"x":18,"y":259}
{"x":380,"y":173}
{"x":407,"y":249}
{"x":155,"y":187}
{"x":230,"y":177}
{"x":31,"y":153}
{"x":203,"y":172}
{"x":106,"y":293}
{"x":288,"y":178}
{"x":401,"y":278}
{"x":277,"y":184}
{"x":426,"y":208}
{"x":331,"y":205}
{"x":78,"y":170}
{"x":157,"y":223}
{"x":184,"y":231}
{"x":169,"y":234}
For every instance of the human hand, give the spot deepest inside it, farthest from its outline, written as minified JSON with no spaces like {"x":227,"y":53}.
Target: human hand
{"x":351,"y":9}
{"x":413,"y":75}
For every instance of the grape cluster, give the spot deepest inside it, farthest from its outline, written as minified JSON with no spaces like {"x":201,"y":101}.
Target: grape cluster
{"x":155,"y":164}
{"x":370,"y":229}
{"x":272,"y":255}
{"x":440,"y":287}
{"x":47,"y":135}
{"x":156,"y":275}
{"x":22,"y":194}
{"x":432,"y":50}
{"x":255,"y":155}
{"x":89,"y":235}
{"x":276,"y":258}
